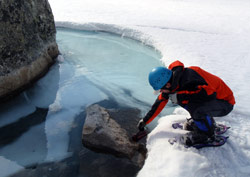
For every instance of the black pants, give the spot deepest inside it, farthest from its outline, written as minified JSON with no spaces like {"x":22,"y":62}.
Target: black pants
{"x":203,"y":113}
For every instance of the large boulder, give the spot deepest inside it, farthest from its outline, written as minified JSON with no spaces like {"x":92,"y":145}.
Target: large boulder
{"x":27,"y":43}
{"x":110,"y":131}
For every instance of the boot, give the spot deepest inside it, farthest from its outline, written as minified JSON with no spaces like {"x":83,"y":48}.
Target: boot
{"x":189,"y":125}
{"x":193,"y":137}
{"x":202,"y":131}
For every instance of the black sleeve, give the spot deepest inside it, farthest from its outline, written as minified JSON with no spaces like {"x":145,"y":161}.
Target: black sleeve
{"x":156,"y":108}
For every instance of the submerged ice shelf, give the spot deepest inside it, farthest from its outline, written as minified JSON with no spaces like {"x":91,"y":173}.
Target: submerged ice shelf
{"x":93,"y":66}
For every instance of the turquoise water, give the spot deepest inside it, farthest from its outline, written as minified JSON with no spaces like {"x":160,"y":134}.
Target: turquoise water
{"x":112,"y":63}
{"x":43,"y":125}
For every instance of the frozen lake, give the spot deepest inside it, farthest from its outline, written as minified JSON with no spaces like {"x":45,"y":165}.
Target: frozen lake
{"x":40,"y":125}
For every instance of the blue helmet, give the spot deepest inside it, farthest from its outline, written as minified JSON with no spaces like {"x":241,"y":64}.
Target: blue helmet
{"x":159,"y":77}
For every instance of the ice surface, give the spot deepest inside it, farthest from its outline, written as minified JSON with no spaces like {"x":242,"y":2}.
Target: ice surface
{"x":44,"y":91}
{"x":94,"y":66}
{"x":13,"y":110}
{"x":28,"y":149}
{"x":112,"y":74}
{"x":8,"y":167}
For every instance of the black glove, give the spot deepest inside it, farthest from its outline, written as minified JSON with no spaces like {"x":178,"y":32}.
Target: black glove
{"x":141,"y":124}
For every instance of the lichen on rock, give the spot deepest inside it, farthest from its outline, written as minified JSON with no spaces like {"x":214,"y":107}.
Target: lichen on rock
{"x":27,"y":43}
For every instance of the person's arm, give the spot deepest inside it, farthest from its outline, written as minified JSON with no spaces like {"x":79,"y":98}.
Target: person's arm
{"x":155,"y":110}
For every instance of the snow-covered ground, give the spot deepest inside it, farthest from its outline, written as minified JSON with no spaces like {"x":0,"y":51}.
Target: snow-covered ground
{"x":212,"y":34}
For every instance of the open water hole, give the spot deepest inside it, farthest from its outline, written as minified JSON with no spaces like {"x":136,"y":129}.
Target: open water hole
{"x":40,"y":130}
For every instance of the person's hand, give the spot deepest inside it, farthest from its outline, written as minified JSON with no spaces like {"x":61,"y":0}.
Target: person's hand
{"x":141,"y":124}
{"x":173,"y":98}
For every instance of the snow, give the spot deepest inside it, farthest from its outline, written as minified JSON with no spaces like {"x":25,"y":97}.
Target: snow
{"x":212,"y":34}
{"x":206,"y":34}
{"x":228,"y":160}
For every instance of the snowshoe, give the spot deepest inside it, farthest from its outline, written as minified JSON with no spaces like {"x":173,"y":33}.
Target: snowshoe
{"x":199,"y":140}
{"x":219,"y":140}
{"x":219,"y":128}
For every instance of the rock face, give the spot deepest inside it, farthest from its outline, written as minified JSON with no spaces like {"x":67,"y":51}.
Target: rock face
{"x":27,"y":43}
{"x":110,"y":131}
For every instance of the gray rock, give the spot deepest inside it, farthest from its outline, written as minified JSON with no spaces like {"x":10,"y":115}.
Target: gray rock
{"x":110,"y":131}
{"x":27,"y":43}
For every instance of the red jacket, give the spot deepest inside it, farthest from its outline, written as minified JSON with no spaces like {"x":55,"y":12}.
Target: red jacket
{"x":191,"y":84}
